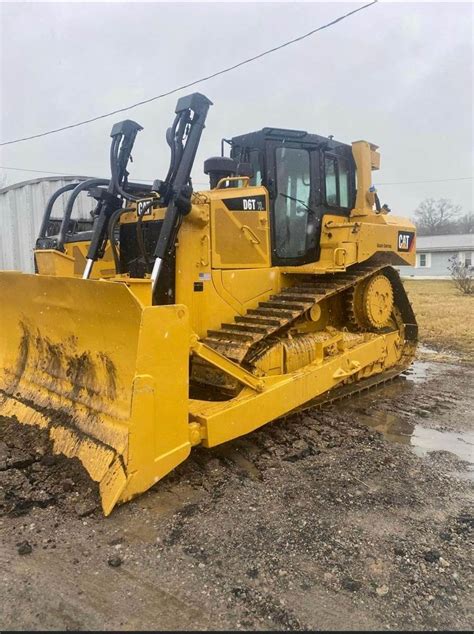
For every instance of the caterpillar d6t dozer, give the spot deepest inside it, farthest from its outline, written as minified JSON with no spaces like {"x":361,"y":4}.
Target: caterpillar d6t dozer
{"x":182,"y":318}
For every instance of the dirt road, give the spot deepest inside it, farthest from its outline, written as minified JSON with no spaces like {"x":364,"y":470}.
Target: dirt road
{"x":354,"y":516}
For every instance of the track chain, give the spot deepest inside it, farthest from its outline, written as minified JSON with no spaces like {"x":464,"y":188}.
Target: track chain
{"x":238,"y":340}
{"x":243,"y":340}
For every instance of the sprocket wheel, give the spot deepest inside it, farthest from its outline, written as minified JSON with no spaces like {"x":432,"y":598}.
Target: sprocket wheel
{"x":370,"y":303}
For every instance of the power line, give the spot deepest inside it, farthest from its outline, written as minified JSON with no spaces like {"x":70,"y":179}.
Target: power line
{"x":24,"y":169}
{"x":196,"y":81}
{"x":150,"y":180}
{"x":436,"y":180}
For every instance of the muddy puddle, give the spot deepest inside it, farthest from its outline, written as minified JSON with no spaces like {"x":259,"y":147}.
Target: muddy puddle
{"x":423,"y":369}
{"x":421,"y":437}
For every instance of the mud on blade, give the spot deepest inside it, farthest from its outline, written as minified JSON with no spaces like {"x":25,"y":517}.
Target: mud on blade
{"x":106,"y":376}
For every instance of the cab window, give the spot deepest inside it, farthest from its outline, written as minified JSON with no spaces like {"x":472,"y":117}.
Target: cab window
{"x":293,"y":196}
{"x":254,"y":160}
{"x":331,"y":181}
{"x":343,"y":183}
{"x":337,"y":181}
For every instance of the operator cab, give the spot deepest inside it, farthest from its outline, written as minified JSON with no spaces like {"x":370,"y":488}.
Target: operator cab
{"x":306,"y":176}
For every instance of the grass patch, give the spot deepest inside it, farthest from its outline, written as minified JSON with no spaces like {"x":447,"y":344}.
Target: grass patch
{"x":445,"y":316}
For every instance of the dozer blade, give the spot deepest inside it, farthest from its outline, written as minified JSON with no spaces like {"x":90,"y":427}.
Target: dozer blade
{"x":106,"y":376}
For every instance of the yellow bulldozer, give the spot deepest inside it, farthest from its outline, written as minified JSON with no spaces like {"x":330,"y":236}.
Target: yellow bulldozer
{"x":179,"y":318}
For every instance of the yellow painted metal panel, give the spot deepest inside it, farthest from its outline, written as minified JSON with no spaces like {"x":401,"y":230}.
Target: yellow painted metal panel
{"x":245,"y":287}
{"x":72,"y":262}
{"x":240,"y":239}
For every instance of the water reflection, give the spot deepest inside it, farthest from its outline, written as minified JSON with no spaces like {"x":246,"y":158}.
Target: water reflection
{"x":422,"y":439}
{"x":400,"y":429}
{"x":391,"y":426}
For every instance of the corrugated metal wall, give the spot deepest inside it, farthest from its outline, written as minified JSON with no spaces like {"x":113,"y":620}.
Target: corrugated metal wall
{"x":21,"y":211}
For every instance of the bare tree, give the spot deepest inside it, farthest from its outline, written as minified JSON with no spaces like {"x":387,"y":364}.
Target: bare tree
{"x":462,"y":275}
{"x":434,"y":217}
{"x":465,"y":224}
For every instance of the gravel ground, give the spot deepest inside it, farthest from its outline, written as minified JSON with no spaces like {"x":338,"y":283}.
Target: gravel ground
{"x":338,"y":518}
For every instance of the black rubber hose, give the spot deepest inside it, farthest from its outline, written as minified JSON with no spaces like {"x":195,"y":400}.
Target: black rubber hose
{"x":127,"y":195}
{"x":111,"y":231}
{"x":172,"y":145}
{"x":139,"y":187}
{"x":175,"y":143}
{"x":140,"y":236}
{"x":114,"y":168}
{"x":114,"y":160}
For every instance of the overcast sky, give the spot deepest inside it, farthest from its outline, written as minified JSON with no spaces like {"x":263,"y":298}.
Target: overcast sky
{"x":397,"y":74}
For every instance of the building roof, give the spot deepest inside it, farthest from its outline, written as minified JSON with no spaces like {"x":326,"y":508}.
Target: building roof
{"x":451,"y":242}
{"x":33,"y":181}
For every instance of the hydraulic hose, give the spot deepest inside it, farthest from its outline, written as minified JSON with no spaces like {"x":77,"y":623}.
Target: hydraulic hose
{"x":140,"y":237}
{"x":114,"y":168}
{"x":172,"y":144}
{"x":111,"y":232}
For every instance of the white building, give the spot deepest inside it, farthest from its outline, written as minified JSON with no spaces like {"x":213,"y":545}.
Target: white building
{"x":21,"y":211}
{"x":433,"y":254}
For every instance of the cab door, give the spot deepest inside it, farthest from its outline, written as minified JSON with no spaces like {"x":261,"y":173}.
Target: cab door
{"x":293,"y":177}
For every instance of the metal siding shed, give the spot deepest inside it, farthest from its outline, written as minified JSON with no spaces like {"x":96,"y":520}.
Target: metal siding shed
{"x":21,"y":211}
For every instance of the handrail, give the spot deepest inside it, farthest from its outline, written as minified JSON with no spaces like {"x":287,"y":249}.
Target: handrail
{"x":92,"y":182}
{"x":225,"y":179}
{"x":49,"y":207}
{"x":78,"y":188}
